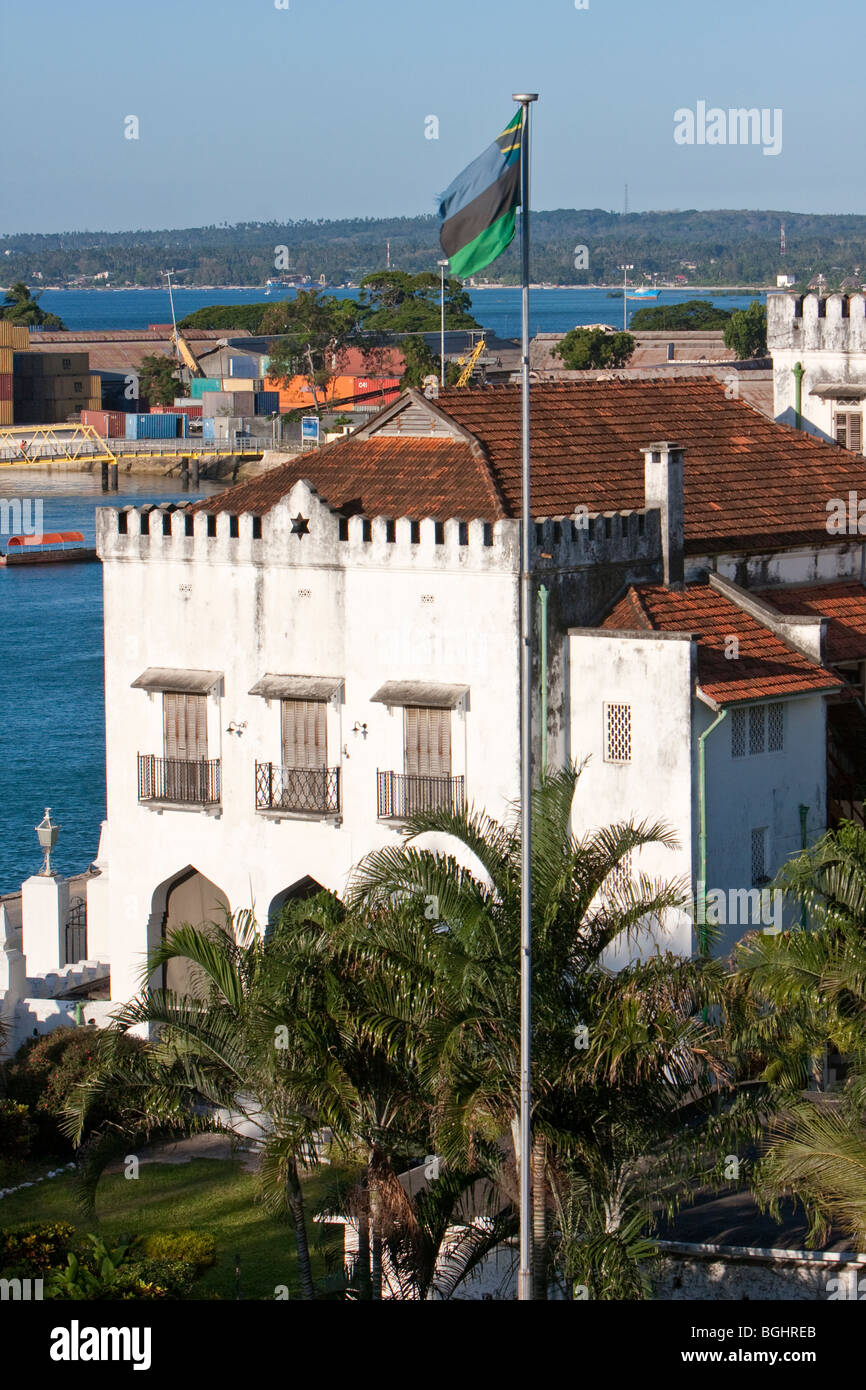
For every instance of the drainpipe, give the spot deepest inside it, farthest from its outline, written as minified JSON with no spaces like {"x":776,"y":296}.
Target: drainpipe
{"x":702,"y":839}
{"x":543,"y":595}
{"x":798,"y":395}
{"x":804,"y":845}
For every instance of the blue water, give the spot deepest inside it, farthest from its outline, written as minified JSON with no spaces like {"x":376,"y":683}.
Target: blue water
{"x":52,"y":733}
{"x":551,"y":311}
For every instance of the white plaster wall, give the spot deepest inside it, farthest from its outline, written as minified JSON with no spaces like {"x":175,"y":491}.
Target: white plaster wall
{"x":764,"y":790}
{"x":830,"y":346}
{"x":653,"y":675}
{"x":366,"y":613}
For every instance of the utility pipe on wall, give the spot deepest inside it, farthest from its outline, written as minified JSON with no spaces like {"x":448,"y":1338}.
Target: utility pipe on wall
{"x":799,"y":373}
{"x":543,"y":595}
{"x":702,"y":837}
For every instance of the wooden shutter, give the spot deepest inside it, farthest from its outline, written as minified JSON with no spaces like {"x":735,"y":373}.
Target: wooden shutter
{"x":304,"y":733}
{"x":185,"y":725}
{"x":427,"y":742}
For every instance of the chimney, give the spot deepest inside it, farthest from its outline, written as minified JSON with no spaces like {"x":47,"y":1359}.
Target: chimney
{"x":663,"y":488}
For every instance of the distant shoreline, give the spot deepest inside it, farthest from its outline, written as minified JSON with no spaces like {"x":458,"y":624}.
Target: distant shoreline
{"x":471,"y":289}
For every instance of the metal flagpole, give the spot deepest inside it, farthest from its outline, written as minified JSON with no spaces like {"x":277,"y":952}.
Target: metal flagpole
{"x":524,"y":1274}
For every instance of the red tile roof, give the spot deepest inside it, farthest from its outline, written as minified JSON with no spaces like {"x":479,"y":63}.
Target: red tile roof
{"x":392,"y":477}
{"x":765,"y":668}
{"x":843,"y":603}
{"x":749,"y":483}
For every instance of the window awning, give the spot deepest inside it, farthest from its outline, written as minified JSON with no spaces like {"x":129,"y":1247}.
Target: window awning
{"x":839,"y":391}
{"x":427,"y":693}
{"x":169,"y":679}
{"x":297,"y":687}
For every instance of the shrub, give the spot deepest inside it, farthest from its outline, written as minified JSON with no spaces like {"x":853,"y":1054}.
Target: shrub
{"x":39,"y":1248}
{"x":44,"y":1074}
{"x":17,"y":1130}
{"x":195,"y":1248}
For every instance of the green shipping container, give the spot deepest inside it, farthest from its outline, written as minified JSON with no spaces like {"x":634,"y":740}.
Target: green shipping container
{"x":200,"y":384}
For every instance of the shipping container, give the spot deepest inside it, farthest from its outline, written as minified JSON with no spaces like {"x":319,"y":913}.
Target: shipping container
{"x":6,"y":331}
{"x":240,"y":385}
{"x":243,"y":367}
{"x":21,"y":337}
{"x":5,"y":386}
{"x":200,"y":384}
{"x":191,"y":410}
{"x":111,"y":424}
{"x":6,"y":413}
{"x":207,"y":429}
{"x":152,"y":426}
{"x":266,"y":402}
{"x":52,"y":364}
{"x":7,"y":361}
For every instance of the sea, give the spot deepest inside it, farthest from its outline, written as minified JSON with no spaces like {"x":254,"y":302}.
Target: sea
{"x":52,"y":732}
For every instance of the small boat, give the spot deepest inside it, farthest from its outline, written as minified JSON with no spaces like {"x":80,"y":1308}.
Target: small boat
{"x":47,"y":548}
{"x":644,"y":294}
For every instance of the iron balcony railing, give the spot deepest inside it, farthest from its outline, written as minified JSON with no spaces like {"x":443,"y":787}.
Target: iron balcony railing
{"x":188,"y":783}
{"x":403,"y":794}
{"x":312,"y":789}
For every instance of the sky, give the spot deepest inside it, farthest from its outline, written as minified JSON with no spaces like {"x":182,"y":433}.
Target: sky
{"x":250,"y":111}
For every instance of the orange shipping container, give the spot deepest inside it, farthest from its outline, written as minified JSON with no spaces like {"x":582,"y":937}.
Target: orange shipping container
{"x":6,"y":413}
{"x":21,"y":338}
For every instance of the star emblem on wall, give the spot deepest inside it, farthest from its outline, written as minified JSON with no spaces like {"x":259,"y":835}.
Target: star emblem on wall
{"x":300,"y":526}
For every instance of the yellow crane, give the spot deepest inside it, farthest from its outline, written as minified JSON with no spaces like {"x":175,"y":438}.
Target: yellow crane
{"x":182,"y":348}
{"x":468,"y":364}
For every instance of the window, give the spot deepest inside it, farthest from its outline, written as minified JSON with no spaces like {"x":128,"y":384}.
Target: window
{"x":304,"y":733}
{"x":617,"y":733}
{"x":849,"y":431}
{"x":185,"y":726}
{"x":77,"y":387}
{"x":759,"y":857}
{"x":426,"y":741}
{"x":67,"y":363}
{"x":144,"y":523}
{"x":366,"y":529}
{"x":757,"y":729}
{"x":122,"y":520}
{"x":344,"y":528}
{"x":488,"y":533}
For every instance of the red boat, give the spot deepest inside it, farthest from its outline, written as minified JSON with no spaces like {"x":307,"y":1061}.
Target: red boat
{"x":49,"y":548}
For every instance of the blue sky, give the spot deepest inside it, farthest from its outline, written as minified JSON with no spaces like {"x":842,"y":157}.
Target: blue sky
{"x":248,"y":112}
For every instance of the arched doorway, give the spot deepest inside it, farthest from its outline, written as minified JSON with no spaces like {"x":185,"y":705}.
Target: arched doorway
{"x":305,"y":887}
{"x":192,"y":900}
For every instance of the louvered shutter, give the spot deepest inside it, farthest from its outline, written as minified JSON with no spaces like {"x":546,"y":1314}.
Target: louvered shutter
{"x":304,"y":733}
{"x":185,"y":726}
{"x":427,"y":742}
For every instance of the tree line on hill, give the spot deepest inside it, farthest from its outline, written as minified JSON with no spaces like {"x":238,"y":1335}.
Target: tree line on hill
{"x":714,"y":247}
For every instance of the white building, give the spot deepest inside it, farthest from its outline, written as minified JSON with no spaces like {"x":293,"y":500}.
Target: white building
{"x":294,"y":664}
{"x":818,"y":346}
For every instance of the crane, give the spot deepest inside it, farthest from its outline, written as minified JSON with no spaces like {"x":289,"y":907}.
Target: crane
{"x":182,"y":349}
{"x":468,"y":364}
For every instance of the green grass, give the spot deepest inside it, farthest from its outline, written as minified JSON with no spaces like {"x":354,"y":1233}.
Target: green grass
{"x":207,"y":1194}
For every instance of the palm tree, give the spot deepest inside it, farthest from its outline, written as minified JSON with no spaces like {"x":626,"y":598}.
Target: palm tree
{"x":616,"y":1055}
{"x":214,"y":1059}
{"x":799,"y":992}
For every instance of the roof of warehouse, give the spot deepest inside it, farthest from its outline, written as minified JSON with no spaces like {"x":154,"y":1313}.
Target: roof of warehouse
{"x":765,"y":667}
{"x":844,"y":604}
{"x":750,"y":483}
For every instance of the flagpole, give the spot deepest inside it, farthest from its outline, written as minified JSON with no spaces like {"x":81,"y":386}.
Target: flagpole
{"x":524,"y":1273}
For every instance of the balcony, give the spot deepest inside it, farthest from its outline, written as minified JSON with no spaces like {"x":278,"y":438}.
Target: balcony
{"x":177,"y":781}
{"x":401,"y":794}
{"x":304,"y":790}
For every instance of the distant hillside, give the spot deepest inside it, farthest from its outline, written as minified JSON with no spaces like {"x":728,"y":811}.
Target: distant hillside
{"x":721,"y":248}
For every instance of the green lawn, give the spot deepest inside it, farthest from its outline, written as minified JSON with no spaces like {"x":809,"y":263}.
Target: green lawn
{"x":207,"y":1194}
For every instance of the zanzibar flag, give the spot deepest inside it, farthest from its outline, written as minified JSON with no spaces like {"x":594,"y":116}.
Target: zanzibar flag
{"x":477,"y":210}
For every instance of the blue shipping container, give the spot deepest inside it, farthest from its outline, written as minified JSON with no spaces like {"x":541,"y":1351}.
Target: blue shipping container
{"x":152,"y":426}
{"x":207,"y":429}
{"x":243,"y":367}
{"x":267,"y":402}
